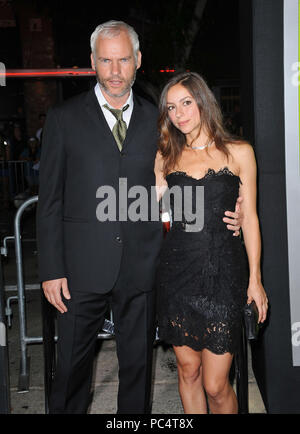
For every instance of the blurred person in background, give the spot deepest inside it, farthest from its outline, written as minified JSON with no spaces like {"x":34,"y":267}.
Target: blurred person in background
{"x":39,"y":132}
{"x":17,"y":142}
{"x":31,"y":154}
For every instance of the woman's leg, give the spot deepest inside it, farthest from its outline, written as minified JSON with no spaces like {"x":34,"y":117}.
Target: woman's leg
{"x":190,"y":380}
{"x":220,"y":394}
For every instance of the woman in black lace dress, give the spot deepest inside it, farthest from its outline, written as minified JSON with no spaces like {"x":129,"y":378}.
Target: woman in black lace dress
{"x":203,"y":280}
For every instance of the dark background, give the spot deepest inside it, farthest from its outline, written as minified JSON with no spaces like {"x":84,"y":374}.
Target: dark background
{"x":62,"y":40}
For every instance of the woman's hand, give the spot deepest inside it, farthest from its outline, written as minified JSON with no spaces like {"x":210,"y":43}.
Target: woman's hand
{"x":257,"y":293}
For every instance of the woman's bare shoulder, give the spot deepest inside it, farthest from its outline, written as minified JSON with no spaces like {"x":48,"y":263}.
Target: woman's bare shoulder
{"x":240,"y":150}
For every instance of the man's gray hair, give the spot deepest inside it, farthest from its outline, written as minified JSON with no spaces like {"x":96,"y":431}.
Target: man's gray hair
{"x":111,"y":29}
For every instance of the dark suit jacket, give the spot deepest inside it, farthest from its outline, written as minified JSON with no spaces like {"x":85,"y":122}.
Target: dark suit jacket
{"x":79,"y":155}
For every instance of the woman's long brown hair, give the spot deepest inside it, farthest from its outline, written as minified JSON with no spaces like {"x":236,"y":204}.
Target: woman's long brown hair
{"x":171,"y":140}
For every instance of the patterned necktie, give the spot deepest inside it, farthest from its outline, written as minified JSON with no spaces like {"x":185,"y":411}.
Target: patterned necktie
{"x":120,"y":127}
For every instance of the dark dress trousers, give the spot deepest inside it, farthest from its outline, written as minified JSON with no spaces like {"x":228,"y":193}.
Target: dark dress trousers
{"x":103,"y":261}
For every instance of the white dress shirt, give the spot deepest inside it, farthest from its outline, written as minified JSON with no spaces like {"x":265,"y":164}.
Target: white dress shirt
{"x":110,"y":118}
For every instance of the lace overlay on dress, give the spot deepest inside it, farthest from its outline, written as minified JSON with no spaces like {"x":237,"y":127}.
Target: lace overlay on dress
{"x":208,"y":173}
{"x":202,"y":276}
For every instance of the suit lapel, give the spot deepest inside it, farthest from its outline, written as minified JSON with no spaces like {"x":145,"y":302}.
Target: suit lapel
{"x":136,"y":121}
{"x":95,"y":112}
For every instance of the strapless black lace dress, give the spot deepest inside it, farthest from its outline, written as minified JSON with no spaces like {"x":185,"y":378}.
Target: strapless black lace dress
{"x":202,"y":277}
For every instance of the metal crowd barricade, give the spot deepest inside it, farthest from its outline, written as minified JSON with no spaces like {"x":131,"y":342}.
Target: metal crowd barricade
{"x":241,"y":374}
{"x":18,"y":180}
{"x":24,"y":339}
{"x":4,"y":365}
{"x":48,"y":328}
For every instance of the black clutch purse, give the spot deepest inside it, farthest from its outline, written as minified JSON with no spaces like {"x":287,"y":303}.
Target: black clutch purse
{"x":250,"y":321}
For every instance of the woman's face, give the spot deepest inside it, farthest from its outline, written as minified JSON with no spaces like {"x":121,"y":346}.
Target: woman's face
{"x":183,"y":110}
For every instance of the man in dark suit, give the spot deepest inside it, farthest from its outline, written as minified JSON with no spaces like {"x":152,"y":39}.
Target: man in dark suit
{"x":85,"y":263}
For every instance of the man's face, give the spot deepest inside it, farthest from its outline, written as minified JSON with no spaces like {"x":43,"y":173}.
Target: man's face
{"x":115,"y":65}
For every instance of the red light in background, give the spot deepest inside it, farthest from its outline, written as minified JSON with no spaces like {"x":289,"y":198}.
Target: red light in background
{"x":69,"y":72}
{"x":66,"y":72}
{"x":167,"y":70}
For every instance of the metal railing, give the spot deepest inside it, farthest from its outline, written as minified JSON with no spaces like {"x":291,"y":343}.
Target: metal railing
{"x":25,"y":340}
{"x":18,"y":181}
{"x":4,"y":365}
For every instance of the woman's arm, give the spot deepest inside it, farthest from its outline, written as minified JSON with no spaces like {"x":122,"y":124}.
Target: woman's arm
{"x":160,"y":183}
{"x":250,"y":227}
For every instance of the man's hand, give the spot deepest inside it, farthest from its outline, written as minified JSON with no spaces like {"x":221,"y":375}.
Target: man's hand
{"x":52,"y":290}
{"x":234,"y":219}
